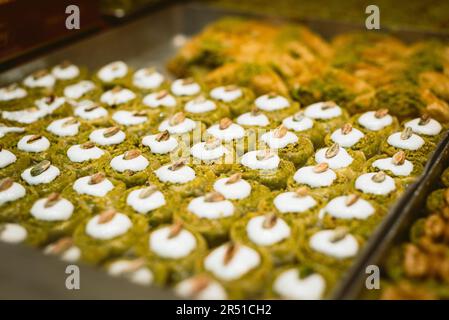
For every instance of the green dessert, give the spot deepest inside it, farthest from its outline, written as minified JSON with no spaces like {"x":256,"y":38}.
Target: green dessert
{"x":176,"y":247}
{"x":300,"y":206}
{"x":161,"y":147}
{"x":321,"y":180}
{"x":95,"y":192}
{"x":332,"y":247}
{"x":396,"y":166}
{"x":55,"y":215}
{"x":359,"y":215}
{"x":156,"y":206}
{"x":241,"y":269}
{"x":248,"y":196}
{"x":304,"y":126}
{"x":15,"y":198}
{"x":179,"y":178}
{"x":270,"y":231}
{"x":131,"y":167}
{"x":328,"y":113}
{"x":379,"y":187}
{"x":206,"y":111}
{"x":214,"y":155}
{"x":83,"y":159}
{"x":108,"y":234}
{"x":276,"y":107}
{"x":237,"y":99}
{"x":210,"y":215}
{"x":267,"y":168}
{"x":290,"y":147}
{"x":416,"y":148}
{"x":45,"y":178}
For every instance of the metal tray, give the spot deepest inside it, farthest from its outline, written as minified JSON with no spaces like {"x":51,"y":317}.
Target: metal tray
{"x":149,"y":41}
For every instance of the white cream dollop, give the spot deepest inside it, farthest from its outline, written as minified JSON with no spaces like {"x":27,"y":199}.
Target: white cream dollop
{"x":320,"y":110}
{"x":13,"y":193}
{"x":145,"y":205}
{"x":341,"y":160}
{"x":6,"y":158}
{"x":244,"y":260}
{"x":4,"y":130}
{"x":176,"y":247}
{"x":200,"y":106}
{"x":200,"y":151}
{"x":291,"y":202}
{"x":211,"y":210}
{"x":120,"y":164}
{"x":156,"y":100}
{"x":36,"y":146}
{"x":185,"y":126}
{"x":338,"y":208}
{"x":117,"y":226}
{"x":366,"y":184}
{"x":369,"y":121}
{"x":13,"y":233}
{"x":179,"y":87}
{"x":60,"y":211}
{"x":250,"y":160}
{"x":271,"y":103}
{"x":307,"y":175}
{"x":234,"y":191}
{"x":45,"y":177}
{"x":82,"y":186}
{"x":77,"y":90}
{"x":347,"y":140}
{"x":115,"y":97}
{"x":146,"y":78}
{"x":404,"y":169}
{"x":12,"y":93}
{"x":65,"y":72}
{"x":262,"y":236}
{"x":250,"y":119}
{"x":322,"y":242}
{"x":233,"y":132}
{"x":61,"y":129}
{"x":112,"y":71}
{"x":302,"y":125}
{"x":98,"y":137}
{"x":128,"y":118}
{"x":77,"y":153}
{"x":278,"y":143}
{"x":413,"y":143}
{"x":225,"y":94}
{"x":84,"y":111}
{"x":160,"y":147}
{"x":179,"y":176}
{"x":431,"y":128}
{"x":44,"y":81}
{"x":289,"y":285}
